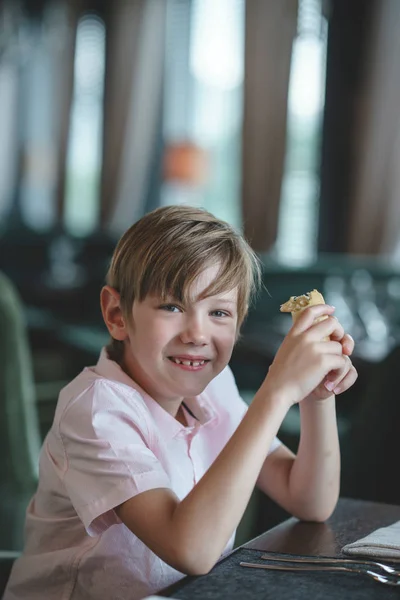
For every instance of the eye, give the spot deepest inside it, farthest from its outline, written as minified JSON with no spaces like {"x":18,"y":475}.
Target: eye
{"x":170,"y":308}
{"x":219,"y":313}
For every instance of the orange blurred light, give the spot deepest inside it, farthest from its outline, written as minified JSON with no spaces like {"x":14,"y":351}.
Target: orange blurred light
{"x":185,"y":162}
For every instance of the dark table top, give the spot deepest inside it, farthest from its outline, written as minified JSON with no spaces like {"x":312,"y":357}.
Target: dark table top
{"x":351,"y":520}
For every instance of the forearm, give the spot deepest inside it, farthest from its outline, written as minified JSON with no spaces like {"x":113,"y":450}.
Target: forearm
{"x":315,"y":475}
{"x":206,"y":518}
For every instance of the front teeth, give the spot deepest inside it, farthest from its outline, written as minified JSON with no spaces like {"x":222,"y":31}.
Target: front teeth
{"x":188,"y":363}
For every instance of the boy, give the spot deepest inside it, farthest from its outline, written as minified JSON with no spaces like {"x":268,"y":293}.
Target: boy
{"x":152,"y":456}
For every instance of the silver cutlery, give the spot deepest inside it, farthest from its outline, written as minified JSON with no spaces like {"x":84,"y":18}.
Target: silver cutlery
{"x":379,"y":577}
{"x":333,"y":561}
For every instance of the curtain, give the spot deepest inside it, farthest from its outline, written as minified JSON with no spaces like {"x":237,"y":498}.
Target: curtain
{"x":133,"y":101}
{"x":36,"y":70}
{"x":374,"y":214}
{"x":8,"y":109}
{"x":269,"y":34}
{"x":63,"y":82}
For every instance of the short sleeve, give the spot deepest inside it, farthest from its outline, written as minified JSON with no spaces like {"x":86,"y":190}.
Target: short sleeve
{"x":225,"y":391}
{"x":106,"y":435}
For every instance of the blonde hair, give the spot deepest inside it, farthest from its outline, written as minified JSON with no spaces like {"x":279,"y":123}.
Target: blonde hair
{"x":164,"y":252}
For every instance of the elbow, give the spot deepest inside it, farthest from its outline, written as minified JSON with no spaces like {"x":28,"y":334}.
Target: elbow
{"x":189,"y":551}
{"x":312,"y":516}
{"x":316,"y":510}
{"x":316,"y":514}
{"x":193,"y":561}
{"x":195,"y":570}
{"x":186,"y":558}
{"x":317,"y":517}
{"x":324,"y":515}
{"x":194,"y":565}
{"x":326,"y":511}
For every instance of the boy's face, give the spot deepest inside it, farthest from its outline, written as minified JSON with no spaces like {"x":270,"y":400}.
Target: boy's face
{"x":173,"y":350}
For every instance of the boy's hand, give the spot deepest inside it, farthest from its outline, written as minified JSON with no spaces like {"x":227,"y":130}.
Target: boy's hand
{"x":338,"y":381}
{"x":305,"y":360}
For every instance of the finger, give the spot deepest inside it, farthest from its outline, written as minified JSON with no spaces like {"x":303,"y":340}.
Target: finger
{"x":347,"y":344}
{"x":334,"y":378}
{"x":334,"y":362}
{"x":330,"y":347}
{"x":308,"y":316}
{"x":346,"y":382}
{"x":329,"y":327}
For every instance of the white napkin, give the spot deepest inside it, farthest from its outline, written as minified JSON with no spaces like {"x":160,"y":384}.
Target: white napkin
{"x":384,"y":542}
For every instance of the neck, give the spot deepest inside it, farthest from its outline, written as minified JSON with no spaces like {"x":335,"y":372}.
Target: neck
{"x":180,"y":416}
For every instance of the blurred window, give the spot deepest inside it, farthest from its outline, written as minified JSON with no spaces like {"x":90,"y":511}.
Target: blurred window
{"x":36,"y":60}
{"x":203,"y":101}
{"x":84,"y":156}
{"x":298,"y":219}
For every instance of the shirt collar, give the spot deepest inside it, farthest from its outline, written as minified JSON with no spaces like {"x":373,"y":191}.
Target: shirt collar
{"x":170,"y":427}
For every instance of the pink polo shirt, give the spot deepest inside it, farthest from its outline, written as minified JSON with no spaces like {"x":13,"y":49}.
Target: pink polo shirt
{"x":110,"y":441}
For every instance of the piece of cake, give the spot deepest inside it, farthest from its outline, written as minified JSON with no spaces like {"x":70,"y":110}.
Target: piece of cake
{"x":296,"y":304}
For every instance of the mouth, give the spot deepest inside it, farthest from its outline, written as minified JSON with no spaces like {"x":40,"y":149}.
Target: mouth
{"x":191,"y":364}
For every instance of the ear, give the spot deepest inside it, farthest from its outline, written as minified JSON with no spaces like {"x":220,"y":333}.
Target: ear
{"x":112,"y":313}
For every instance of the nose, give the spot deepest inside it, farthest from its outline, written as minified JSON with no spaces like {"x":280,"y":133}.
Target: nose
{"x":194,"y":332}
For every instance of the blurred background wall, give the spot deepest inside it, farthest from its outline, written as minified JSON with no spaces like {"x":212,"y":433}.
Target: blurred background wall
{"x":279,"y":116}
